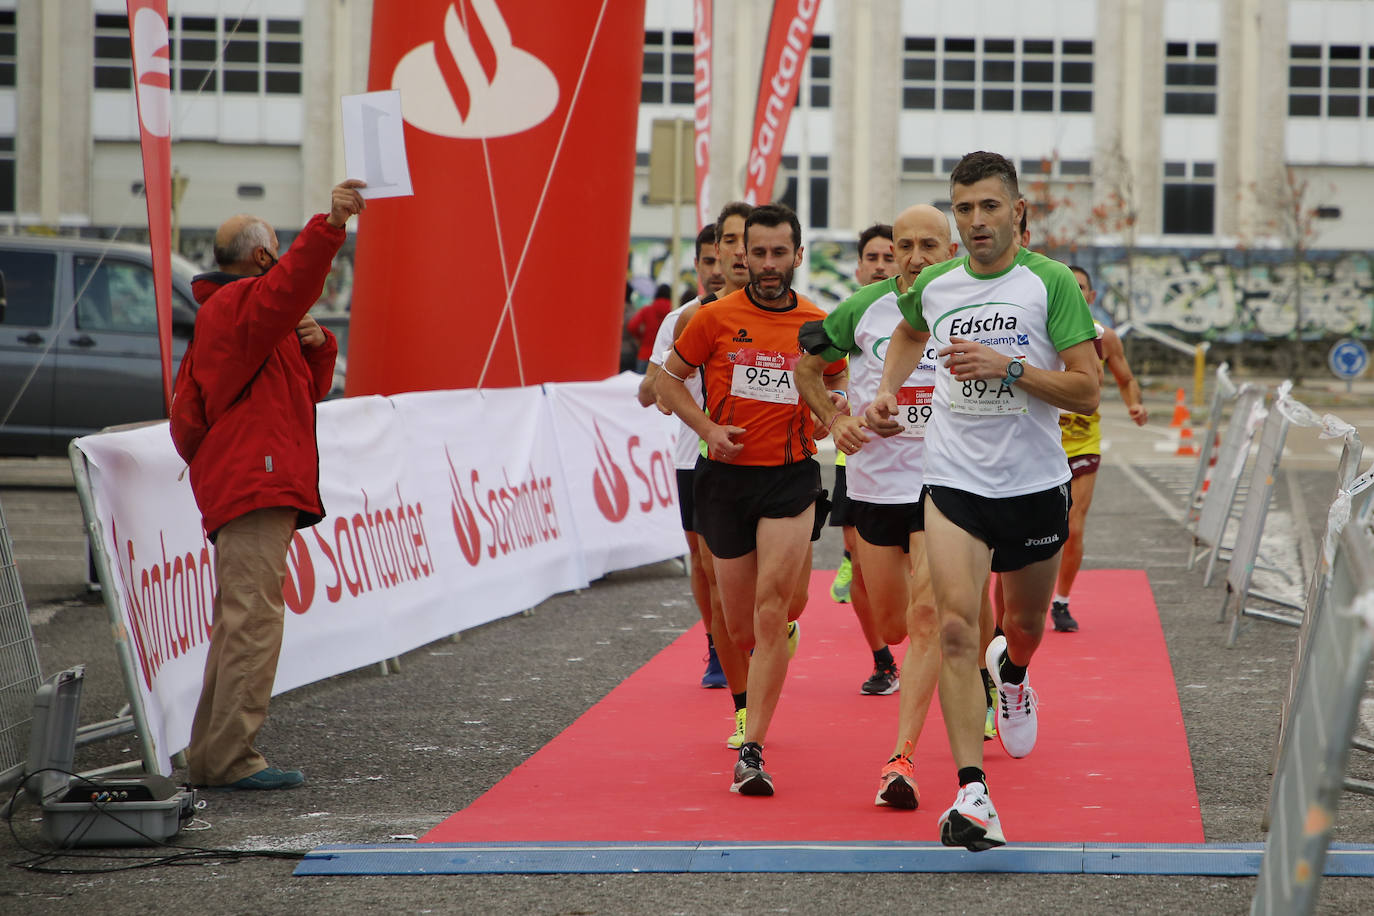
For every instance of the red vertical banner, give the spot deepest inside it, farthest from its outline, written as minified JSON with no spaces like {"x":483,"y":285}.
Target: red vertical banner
{"x":701,"y":102}
{"x":507,"y":266}
{"x":789,"y":38}
{"x":153,"y":89}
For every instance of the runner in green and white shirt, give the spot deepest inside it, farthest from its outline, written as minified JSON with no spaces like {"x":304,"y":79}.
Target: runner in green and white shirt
{"x":1013,"y":340}
{"x":885,"y":476}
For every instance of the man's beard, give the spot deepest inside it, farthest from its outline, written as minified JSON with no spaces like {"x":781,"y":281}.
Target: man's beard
{"x":785,"y":277}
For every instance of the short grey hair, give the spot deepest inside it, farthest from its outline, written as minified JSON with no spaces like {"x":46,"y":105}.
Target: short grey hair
{"x":254,"y":234}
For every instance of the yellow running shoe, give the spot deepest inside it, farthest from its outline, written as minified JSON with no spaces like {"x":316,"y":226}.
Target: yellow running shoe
{"x":737,"y":739}
{"x":793,"y":637}
{"x":839,"y":589}
{"x":990,"y":722}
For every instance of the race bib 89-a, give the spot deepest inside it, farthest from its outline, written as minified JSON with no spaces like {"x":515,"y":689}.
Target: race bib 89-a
{"x":986,"y":397}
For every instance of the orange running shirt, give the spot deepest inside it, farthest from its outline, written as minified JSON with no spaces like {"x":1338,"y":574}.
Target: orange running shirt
{"x":747,"y":354}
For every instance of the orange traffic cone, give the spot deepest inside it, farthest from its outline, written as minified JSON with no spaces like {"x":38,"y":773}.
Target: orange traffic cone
{"x":1181,"y":414}
{"x":1186,"y":445}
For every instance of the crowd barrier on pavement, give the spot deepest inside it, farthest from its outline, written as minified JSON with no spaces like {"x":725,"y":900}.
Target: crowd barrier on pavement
{"x":20,"y":674}
{"x":1286,"y":411}
{"x":1223,"y":393}
{"x":1247,"y":413}
{"x":1319,"y":722}
{"x":446,"y":510}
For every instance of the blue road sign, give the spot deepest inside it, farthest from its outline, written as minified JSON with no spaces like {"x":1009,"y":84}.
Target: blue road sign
{"x":1348,"y":359}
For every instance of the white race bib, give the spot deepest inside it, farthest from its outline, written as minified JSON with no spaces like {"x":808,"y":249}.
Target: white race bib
{"x":913,"y":410}
{"x":986,"y":397}
{"x":765,"y":375}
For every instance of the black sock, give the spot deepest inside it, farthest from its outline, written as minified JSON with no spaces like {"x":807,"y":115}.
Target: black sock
{"x":998,"y":632}
{"x":740,"y":699}
{"x":710,"y":643}
{"x":971,"y":774}
{"x":987,"y":684}
{"x":1011,"y":674}
{"x":883,"y":657}
{"x":846,"y":555}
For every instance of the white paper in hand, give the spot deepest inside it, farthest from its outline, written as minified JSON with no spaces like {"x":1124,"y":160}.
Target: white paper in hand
{"x":374,"y":143}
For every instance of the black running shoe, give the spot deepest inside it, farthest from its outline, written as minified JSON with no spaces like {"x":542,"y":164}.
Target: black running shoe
{"x":750,"y":779}
{"x":883,"y":682}
{"x":1063,"y":620}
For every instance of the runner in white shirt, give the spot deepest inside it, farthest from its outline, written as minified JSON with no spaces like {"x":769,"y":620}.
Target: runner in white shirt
{"x":885,"y":476}
{"x":1014,"y":343}
{"x":687,"y":446}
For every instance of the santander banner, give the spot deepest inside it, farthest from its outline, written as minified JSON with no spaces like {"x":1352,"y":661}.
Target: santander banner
{"x":507,"y":266}
{"x":447,"y":509}
{"x":153,"y":91}
{"x":789,"y":38}
{"x":701,"y":108}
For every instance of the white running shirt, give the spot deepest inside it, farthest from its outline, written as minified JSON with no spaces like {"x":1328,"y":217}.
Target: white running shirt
{"x":687,"y":448}
{"x":986,"y":438}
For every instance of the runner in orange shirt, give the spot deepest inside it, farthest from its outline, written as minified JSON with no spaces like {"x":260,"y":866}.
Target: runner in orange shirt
{"x":756,"y":489}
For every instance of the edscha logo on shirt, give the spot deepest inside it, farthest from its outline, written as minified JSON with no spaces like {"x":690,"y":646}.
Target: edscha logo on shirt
{"x":981,"y":325}
{"x":743,"y":336}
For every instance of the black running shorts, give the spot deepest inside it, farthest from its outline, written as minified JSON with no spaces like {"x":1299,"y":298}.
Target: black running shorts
{"x":684,"y":497}
{"x":888,"y":525}
{"x":730,"y":499}
{"x":1021,"y":530}
{"x":841,"y":511}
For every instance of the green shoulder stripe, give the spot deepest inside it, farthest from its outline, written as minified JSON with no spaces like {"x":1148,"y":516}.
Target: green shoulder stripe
{"x":909,"y":302}
{"x":1068,"y":319}
{"x":841,"y":323}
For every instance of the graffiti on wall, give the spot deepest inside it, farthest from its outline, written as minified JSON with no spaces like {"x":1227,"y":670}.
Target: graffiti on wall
{"x":1205,"y":294}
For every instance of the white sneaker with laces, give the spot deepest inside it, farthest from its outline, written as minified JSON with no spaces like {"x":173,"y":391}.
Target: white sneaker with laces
{"x":1017,"y":719}
{"x":972,"y":821}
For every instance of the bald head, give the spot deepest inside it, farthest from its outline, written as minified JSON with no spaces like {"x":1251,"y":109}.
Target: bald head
{"x":920,"y":238}
{"x":245,"y":245}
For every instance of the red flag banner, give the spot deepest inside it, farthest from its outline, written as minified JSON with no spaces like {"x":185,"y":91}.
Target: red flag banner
{"x":153,"y":90}
{"x":701,"y":100}
{"x":789,"y":38}
{"x":507,"y":266}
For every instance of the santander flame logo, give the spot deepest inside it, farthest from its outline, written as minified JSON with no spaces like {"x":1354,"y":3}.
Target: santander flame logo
{"x":609,"y":486}
{"x":475,"y":83}
{"x":464,"y":521}
{"x":153,"y":72}
{"x":299,"y":588}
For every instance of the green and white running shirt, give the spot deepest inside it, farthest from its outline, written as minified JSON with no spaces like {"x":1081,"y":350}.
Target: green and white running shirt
{"x":884,"y":471}
{"x":984,"y":437}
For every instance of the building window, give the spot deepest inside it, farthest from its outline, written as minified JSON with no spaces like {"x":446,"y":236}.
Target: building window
{"x":1190,"y":78}
{"x":1189,"y":198}
{"x":820,"y":188}
{"x":918,"y":166}
{"x":6,"y":174}
{"x":7,"y":44}
{"x":241,"y":56}
{"x":819,"y":58}
{"x":1330,"y":80}
{"x":998,"y":74}
{"x":668,"y":69}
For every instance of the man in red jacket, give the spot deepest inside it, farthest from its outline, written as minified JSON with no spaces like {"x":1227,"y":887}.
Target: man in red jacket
{"x":257,"y":367}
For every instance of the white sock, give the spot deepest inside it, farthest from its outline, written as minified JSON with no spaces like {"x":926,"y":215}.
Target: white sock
{"x":1061,"y":599}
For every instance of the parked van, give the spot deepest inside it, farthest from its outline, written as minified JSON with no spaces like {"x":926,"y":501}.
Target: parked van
{"x":78,"y":339}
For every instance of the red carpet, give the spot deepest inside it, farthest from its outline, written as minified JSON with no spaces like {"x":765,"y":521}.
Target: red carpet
{"x":649,"y":764}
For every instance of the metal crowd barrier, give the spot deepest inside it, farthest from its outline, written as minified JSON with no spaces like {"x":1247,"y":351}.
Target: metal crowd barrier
{"x":20,"y":675}
{"x":1224,"y":392}
{"x":1319,"y":722}
{"x":1219,"y":501}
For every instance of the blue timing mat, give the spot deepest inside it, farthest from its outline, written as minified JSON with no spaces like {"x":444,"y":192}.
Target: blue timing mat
{"x":1215,"y":859}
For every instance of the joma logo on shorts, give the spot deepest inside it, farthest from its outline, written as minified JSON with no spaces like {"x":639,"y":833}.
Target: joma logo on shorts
{"x":1041,"y":542}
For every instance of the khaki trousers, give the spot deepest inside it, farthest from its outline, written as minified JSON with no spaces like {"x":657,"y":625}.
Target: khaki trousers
{"x":245,"y":641}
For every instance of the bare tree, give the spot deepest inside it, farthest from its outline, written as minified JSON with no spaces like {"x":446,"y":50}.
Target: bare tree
{"x":1117,"y":212}
{"x":1293,"y":220}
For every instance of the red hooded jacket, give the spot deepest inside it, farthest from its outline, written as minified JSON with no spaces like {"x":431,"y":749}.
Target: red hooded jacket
{"x":259,"y":385}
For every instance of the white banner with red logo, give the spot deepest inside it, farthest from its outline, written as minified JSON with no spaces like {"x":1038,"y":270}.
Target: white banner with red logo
{"x":789,"y":38}
{"x":153,"y":92}
{"x":618,"y":461}
{"x":701,"y":109}
{"x":446,"y":510}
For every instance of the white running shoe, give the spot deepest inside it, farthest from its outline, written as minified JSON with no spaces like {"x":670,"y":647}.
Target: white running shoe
{"x":972,"y":822}
{"x":1017,"y":720}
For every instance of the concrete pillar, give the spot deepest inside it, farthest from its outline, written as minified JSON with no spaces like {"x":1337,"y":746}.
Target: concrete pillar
{"x":1252,"y":96}
{"x":52,"y":147}
{"x":1129,"y":108}
{"x":866,"y":60}
{"x":337,"y":42}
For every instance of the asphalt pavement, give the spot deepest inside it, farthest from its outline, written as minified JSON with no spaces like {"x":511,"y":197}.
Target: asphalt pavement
{"x":389,"y":756}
